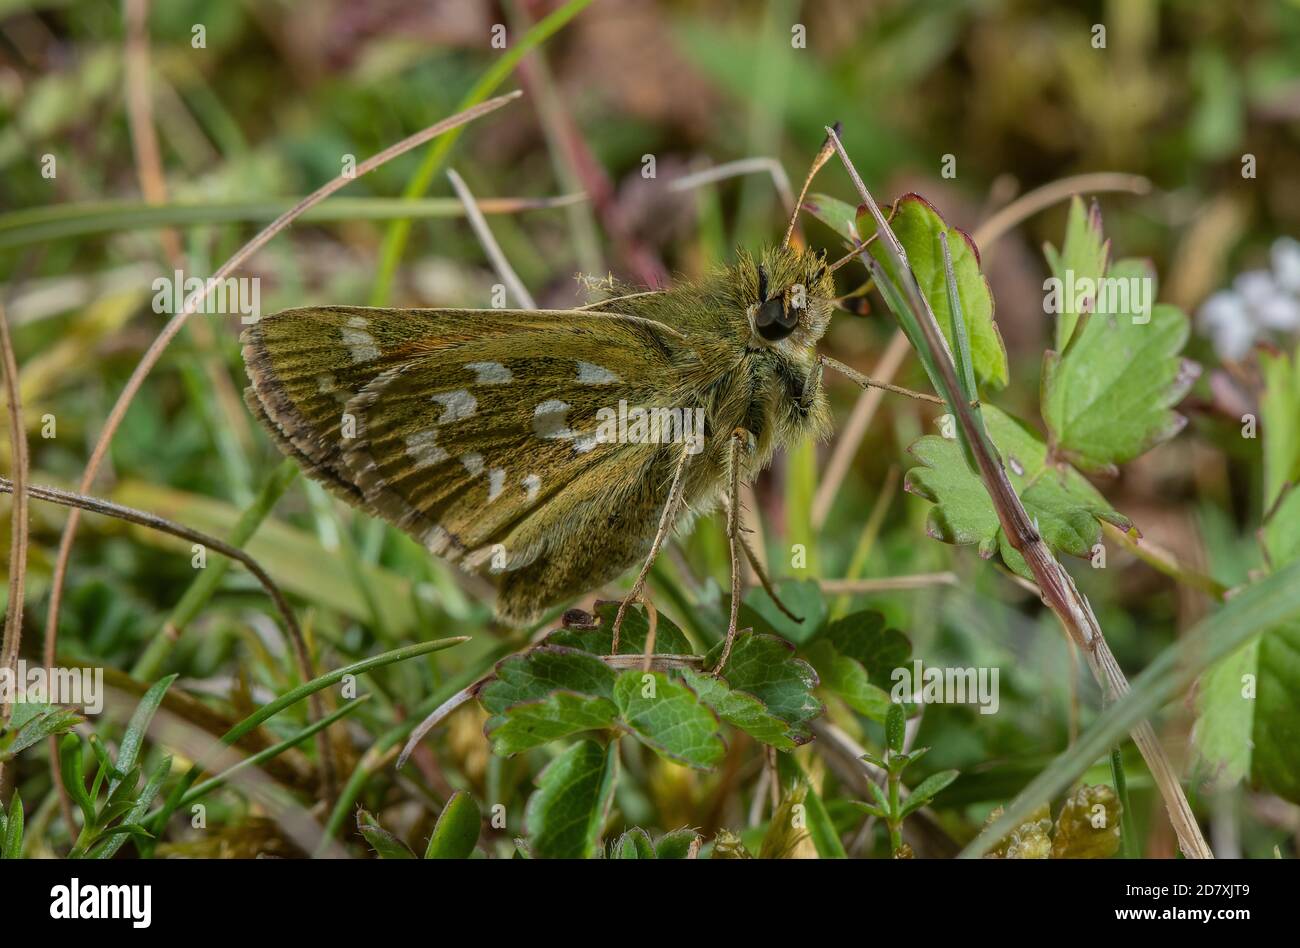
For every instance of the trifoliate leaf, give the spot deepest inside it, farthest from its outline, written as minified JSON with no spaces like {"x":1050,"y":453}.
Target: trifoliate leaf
{"x":1077,"y":269}
{"x":918,"y":225}
{"x":670,"y":718}
{"x":529,"y":724}
{"x":765,"y":666}
{"x":1067,"y":508}
{"x":565,"y":814}
{"x":456,"y":832}
{"x":1110,"y":396}
{"x":1089,"y":824}
{"x":741,"y":709}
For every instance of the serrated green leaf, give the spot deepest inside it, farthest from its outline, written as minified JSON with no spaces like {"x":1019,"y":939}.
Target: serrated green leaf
{"x":847,"y":678}
{"x":865,"y":637}
{"x":669,"y":717}
{"x":565,"y":813}
{"x":1067,"y":508}
{"x":669,"y":638}
{"x":765,"y":666}
{"x":1110,"y":397}
{"x":384,"y":843}
{"x":536,"y":673}
{"x":1083,"y":256}
{"x":918,"y":225}
{"x":456,"y":833}
{"x":927,"y":790}
{"x":740,"y":709}
{"x":529,"y":724}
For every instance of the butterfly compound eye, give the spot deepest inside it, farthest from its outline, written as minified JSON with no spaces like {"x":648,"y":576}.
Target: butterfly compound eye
{"x":772,"y":320}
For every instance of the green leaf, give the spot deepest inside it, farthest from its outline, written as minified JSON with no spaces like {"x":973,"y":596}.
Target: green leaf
{"x":11,"y":831}
{"x":74,"y":775}
{"x":740,"y":709}
{"x":866,"y":638}
{"x":529,"y":724}
{"x":896,"y":728}
{"x":847,"y":678}
{"x":676,"y":845}
{"x":1110,"y":396}
{"x":138,"y":809}
{"x":384,"y":843}
{"x":1226,"y":716}
{"x":456,"y":832}
{"x":536,"y":673}
{"x":1067,"y":508}
{"x":670,"y":718}
{"x":802,"y":596}
{"x":669,"y":638}
{"x":1083,"y":256}
{"x":927,"y":790}
{"x":838,"y":215}
{"x":565,"y":814}
{"x":918,"y":225}
{"x":634,"y":844}
{"x":34,"y":721}
{"x":1280,"y":421}
{"x":129,"y":750}
{"x":1276,"y":759}
{"x":765,"y":666}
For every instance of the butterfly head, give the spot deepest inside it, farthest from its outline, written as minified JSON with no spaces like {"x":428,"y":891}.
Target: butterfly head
{"x":788,"y":293}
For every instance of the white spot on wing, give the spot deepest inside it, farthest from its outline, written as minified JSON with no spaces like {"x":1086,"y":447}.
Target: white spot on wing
{"x":496,"y":481}
{"x":532,"y":484}
{"x":436,"y":540}
{"x":490,"y":373}
{"x":361,"y":345}
{"x":548,"y":419}
{"x":591,"y":374}
{"x":457,"y":405}
{"x":473,"y":463}
{"x":423,"y":447}
{"x":584,"y":443}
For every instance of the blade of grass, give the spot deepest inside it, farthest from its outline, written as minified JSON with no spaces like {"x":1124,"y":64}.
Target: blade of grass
{"x":399,"y":231}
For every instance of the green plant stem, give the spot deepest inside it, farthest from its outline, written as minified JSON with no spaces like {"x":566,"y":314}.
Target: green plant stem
{"x":895,"y":821}
{"x":1132,"y":847}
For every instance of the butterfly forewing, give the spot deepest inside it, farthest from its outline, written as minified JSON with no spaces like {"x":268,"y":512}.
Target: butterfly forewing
{"x":475,"y":431}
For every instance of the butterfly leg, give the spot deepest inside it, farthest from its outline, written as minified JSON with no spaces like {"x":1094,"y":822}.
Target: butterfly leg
{"x":740,"y":440}
{"x":665,"y":524}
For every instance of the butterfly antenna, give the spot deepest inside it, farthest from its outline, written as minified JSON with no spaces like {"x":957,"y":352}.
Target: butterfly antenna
{"x":823,"y":156}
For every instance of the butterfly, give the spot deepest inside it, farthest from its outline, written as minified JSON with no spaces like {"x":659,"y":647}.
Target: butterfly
{"x":553,"y":450}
